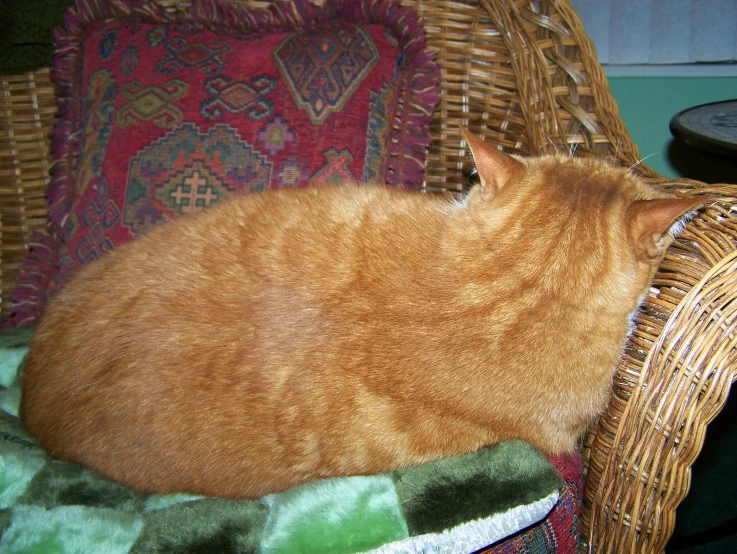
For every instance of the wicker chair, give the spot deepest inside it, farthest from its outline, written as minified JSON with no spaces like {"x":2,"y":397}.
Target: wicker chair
{"x":524,"y":75}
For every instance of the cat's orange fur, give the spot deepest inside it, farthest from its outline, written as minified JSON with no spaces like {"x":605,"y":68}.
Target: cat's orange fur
{"x":299,"y":334}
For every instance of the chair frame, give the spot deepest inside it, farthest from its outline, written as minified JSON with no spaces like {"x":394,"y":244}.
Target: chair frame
{"x":524,"y":75}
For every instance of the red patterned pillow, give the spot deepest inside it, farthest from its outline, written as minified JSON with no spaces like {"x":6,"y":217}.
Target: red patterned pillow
{"x":164,"y":113}
{"x":560,"y":531}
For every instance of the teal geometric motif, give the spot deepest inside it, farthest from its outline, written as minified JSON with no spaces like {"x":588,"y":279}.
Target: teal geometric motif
{"x":193,"y":189}
{"x":129,"y":60}
{"x":157,"y":36}
{"x":194,"y":55}
{"x":152,"y":103}
{"x":276,"y":135}
{"x":236,"y":97}
{"x":323,"y":67}
{"x":107,"y":44}
{"x":336,"y":171}
{"x":291,"y":172}
{"x":376,"y":133}
{"x":187,"y":170}
{"x":97,"y":122}
{"x":96,"y":219}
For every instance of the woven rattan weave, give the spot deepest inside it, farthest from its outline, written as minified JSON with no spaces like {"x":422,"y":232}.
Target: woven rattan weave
{"x":524,"y":75}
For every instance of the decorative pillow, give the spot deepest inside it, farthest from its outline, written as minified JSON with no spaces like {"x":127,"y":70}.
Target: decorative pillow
{"x":168,"y":112}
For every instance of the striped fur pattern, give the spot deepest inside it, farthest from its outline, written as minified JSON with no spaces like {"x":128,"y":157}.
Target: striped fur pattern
{"x":299,"y":334}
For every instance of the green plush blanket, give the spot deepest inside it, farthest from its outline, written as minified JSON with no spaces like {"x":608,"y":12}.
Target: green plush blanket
{"x":454,"y":505}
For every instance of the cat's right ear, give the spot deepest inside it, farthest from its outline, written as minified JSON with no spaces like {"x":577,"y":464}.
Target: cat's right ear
{"x":654,"y":220}
{"x":495,"y":168}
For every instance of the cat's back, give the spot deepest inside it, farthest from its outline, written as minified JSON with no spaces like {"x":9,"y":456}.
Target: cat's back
{"x":245,"y":283}
{"x":206,"y":267}
{"x":252,"y":236}
{"x":161,"y":351}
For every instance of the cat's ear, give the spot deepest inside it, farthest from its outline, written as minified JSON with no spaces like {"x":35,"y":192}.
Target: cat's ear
{"x":652,"y":219}
{"x":496,"y":169}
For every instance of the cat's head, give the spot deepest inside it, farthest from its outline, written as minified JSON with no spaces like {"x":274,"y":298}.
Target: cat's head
{"x":579,"y":222}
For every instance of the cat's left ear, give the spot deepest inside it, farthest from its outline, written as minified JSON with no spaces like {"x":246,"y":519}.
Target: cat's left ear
{"x":652,"y":219}
{"x":496,"y":169}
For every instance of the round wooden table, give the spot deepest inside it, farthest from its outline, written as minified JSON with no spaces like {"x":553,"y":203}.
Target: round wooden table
{"x":711,"y":128}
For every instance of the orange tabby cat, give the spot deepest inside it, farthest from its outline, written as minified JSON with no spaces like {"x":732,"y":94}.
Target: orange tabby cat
{"x":299,"y":334}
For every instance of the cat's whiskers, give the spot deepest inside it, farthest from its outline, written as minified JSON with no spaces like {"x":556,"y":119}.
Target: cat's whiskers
{"x":574,"y":145}
{"x":616,"y":149}
{"x":456,"y":204}
{"x":551,"y":142}
{"x":641,"y":160}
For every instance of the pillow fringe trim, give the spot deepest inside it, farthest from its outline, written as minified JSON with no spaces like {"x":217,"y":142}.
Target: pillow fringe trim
{"x":29,"y":295}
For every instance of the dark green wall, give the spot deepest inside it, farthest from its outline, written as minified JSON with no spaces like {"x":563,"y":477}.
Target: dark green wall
{"x":647,"y":104}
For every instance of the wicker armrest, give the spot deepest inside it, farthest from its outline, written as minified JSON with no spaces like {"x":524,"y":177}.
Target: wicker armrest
{"x":673,"y":380}
{"x":523,"y":74}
